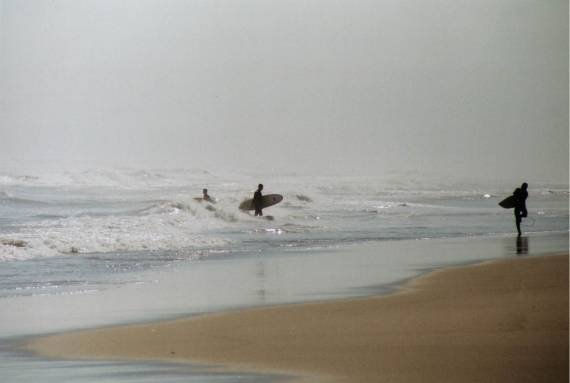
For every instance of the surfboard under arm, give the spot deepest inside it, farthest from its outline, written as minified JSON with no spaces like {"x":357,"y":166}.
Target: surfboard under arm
{"x":266,"y":201}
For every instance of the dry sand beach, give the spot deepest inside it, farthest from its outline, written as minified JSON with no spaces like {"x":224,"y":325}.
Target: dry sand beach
{"x":503,"y":321}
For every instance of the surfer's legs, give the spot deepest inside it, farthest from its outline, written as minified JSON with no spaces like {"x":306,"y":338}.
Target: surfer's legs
{"x":258,"y":212}
{"x":518,"y":221}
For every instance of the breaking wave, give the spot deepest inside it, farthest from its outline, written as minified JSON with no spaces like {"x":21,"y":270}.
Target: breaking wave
{"x":106,"y":211}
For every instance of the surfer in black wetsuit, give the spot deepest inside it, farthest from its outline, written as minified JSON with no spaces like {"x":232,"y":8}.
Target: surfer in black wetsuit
{"x":205,"y":195}
{"x":257,"y":201}
{"x":520,"y":195}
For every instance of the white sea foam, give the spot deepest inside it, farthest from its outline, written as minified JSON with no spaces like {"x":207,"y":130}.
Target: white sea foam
{"x":167,"y":225}
{"x":131,"y":210}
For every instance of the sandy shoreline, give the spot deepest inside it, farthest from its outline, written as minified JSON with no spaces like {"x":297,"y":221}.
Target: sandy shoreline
{"x":504,"y":321}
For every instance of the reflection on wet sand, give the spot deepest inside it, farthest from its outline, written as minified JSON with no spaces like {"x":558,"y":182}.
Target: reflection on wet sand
{"x":522,"y":245}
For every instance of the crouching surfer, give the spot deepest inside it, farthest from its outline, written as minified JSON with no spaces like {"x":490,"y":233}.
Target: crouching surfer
{"x":206,"y":197}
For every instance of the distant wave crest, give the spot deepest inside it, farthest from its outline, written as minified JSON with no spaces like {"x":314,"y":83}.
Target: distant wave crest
{"x":123,"y":178}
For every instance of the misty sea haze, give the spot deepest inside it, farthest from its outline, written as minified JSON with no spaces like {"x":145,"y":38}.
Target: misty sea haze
{"x":391,"y":128}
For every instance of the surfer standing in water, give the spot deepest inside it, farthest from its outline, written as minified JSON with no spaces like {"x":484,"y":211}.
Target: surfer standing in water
{"x":257,"y":201}
{"x":520,"y":195}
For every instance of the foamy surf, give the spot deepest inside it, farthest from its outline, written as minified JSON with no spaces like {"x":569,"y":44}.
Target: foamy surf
{"x":110,"y":211}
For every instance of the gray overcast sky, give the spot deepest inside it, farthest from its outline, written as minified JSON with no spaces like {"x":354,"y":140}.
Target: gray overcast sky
{"x":457,"y":87}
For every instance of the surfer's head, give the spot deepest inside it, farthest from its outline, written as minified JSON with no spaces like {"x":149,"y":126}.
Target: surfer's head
{"x":524,"y":186}
{"x":260,"y":187}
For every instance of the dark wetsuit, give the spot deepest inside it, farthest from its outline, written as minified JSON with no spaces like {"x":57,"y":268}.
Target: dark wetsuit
{"x":520,"y":206}
{"x":257,"y":203}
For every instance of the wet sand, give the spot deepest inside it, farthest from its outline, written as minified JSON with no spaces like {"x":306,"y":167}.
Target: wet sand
{"x":504,"y":321}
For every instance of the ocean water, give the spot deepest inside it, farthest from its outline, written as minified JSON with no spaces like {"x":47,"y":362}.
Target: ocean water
{"x":127,"y":212}
{"x":100,"y":247}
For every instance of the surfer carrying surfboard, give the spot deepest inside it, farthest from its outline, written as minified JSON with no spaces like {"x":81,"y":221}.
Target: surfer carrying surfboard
{"x":258,"y":201}
{"x":520,"y":195}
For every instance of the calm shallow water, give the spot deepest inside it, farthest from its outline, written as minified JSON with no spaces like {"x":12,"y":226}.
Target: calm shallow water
{"x":21,"y":368}
{"x":229,"y":283}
